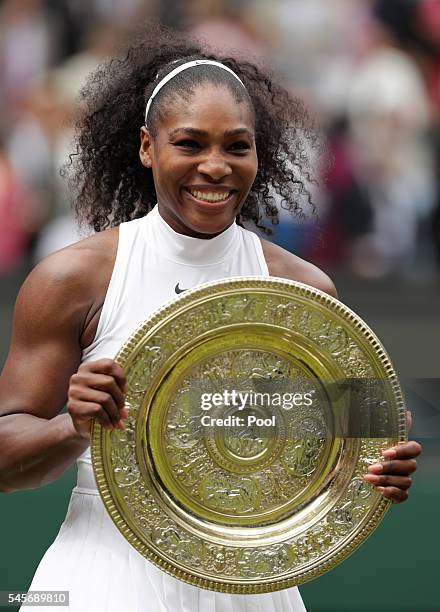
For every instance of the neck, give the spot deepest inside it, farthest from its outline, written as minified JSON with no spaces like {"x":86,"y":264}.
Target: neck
{"x":178,"y":226}
{"x":192,"y":249}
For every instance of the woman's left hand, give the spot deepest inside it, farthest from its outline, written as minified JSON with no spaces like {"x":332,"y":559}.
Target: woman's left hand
{"x":391,"y":477}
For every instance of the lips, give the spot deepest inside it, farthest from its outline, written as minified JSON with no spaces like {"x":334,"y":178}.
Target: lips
{"x":209,"y":197}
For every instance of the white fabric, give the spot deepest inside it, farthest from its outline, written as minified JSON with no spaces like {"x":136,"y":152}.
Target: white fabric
{"x":89,"y":557}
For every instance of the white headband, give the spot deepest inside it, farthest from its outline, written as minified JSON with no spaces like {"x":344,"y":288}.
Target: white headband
{"x":180,"y":68}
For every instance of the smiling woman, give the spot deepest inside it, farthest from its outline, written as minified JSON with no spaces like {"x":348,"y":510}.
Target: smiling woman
{"x":113,"y":187}
{"x":176,"y":150}
{"x":202,"y":176}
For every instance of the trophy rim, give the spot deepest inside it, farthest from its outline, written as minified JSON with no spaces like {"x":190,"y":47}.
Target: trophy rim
{"x":99,"y":434}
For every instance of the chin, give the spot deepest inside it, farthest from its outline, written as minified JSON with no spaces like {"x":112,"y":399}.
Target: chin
{"x":209,"y":217}
{"x":209,"y":224}
{"x":200,"y":220}
{"x":208,"y":227}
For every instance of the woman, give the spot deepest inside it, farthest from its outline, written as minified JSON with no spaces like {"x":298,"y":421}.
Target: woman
{"x":216,"y":139}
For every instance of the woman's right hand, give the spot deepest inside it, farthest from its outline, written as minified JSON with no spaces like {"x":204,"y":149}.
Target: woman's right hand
{"x":97,"y":391}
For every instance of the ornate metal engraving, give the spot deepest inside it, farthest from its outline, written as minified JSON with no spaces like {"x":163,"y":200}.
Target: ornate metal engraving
{"x":244,"y":509}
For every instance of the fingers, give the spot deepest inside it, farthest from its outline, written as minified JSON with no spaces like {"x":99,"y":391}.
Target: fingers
{"x":392,"y":477}
{"x":394,"y":488}
{"x":398,"y":466}
{"x":394,"y":494}
{"x":109,"y":367}
{"x":400,"y":482}
{"x":96,"y":391}
{"x":406,"y":450}
{"x":105,"y":400}
{"x":82,"y":414}
{"x":106,"y":384}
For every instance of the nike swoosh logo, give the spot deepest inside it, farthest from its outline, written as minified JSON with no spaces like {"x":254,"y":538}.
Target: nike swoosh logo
{"x":178,"y":290}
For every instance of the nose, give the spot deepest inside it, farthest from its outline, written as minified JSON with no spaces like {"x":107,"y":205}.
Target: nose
{"x":214,"y":166}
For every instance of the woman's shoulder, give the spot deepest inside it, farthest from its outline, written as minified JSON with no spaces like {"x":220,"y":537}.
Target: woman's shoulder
{"x":79,"y":272}
{"x":95,"y":244}
{"x":284,"y":264}
{"x":67,"y":287}
{"x":84,"y":259}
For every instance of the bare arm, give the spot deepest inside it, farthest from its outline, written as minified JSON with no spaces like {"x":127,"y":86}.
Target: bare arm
{"x":37,"y":443}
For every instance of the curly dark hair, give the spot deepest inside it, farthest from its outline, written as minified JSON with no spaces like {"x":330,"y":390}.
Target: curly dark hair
{"x":112,"y":185}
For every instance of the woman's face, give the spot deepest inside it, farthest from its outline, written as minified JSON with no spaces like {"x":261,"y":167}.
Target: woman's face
{"x":204,"y":161}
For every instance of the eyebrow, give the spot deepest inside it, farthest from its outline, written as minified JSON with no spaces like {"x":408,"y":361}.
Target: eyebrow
{"x":197,"y":132}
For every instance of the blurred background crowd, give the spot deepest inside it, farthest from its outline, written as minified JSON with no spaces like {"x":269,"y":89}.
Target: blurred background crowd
{"x":369,"y":69}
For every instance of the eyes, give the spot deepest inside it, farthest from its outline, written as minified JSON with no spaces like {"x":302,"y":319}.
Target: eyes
{"x":191,"y":145}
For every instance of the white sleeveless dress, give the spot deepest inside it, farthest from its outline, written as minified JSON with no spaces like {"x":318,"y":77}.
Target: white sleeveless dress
{"x":89,"y":557}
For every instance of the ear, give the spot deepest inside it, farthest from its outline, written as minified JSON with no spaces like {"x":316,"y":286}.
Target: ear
{"x":145,"y":148}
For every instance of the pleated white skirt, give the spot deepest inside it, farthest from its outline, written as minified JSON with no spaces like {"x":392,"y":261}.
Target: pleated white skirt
{"x":103,"y":573}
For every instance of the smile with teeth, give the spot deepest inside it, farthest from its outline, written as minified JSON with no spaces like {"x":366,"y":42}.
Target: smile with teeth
{"x":209,"y":196}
